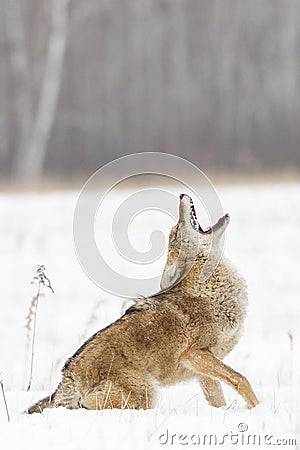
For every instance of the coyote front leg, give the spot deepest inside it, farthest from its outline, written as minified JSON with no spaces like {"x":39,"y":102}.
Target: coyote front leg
{"x":212,"y":391}
{"x":203,"y":362}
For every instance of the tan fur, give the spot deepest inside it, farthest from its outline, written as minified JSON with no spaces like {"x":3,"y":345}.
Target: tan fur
{"x":181,"y":333}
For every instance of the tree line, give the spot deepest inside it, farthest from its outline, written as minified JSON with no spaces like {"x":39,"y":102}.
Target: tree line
{"x":85,"y":81}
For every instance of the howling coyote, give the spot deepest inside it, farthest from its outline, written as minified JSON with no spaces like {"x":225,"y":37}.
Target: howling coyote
{"x":183,"y":332}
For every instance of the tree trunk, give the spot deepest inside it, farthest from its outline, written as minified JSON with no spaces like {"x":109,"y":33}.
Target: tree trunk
{"x":31,"y":158}
{"x":19,"y":64}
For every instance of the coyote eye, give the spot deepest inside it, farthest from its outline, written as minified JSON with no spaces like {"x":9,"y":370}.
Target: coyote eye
{"x":176,"y":234}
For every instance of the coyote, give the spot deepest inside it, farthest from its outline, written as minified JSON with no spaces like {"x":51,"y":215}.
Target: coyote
{"x":183,"y":332}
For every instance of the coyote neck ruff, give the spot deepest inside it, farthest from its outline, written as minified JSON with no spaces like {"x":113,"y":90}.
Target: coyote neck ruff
{"x":181,"y":333}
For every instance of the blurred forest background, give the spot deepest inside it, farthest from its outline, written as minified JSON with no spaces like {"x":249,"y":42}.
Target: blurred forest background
{"x":85,"y":81}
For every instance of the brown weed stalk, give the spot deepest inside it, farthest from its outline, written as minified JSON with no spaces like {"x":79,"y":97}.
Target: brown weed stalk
{"x":4,"y":398}
{"x":41,"y":281}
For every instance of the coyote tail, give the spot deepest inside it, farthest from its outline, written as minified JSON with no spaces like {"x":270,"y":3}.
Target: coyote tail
{"x":65,"y":395}
{"x":47,"y":402}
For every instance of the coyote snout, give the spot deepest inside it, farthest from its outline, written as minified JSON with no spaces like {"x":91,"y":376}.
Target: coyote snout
{"x":183,"y":332}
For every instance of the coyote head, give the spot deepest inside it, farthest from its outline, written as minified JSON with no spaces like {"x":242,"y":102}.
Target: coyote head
{"x":190,"y":245}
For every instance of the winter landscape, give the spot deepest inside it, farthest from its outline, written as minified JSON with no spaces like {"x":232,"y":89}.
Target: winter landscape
{"x":262,"y":241}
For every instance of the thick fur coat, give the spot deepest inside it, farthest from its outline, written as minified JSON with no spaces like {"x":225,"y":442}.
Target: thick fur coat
{"x":181,"y":333}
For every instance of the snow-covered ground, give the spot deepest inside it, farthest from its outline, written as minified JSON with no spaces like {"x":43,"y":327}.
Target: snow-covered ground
{"x":263,"y":241}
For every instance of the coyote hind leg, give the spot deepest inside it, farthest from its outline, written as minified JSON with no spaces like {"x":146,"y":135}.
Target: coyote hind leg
{"x":212,"y":391}
{"x":110,"y":395}
{"x":203,"y":362}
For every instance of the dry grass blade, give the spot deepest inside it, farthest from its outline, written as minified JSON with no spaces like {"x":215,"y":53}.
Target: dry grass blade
{"x":4,"y":398}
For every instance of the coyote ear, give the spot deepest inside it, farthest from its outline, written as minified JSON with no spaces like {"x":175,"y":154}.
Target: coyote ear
{"x":168,"y":277}
{"x":173,"y":274}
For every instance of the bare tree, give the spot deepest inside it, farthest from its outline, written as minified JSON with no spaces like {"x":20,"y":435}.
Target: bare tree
{"x":20,"y":71}
{"x":32,"y":152}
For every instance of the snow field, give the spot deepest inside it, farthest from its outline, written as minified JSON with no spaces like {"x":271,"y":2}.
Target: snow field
{"x":263,"y":241}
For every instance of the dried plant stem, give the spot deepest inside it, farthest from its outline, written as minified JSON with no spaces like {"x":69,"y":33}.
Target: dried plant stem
{"x":4,"y":399}
{"x":291,"y":409}
{"x":41,"y":280}
{"x":35,"y":302}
